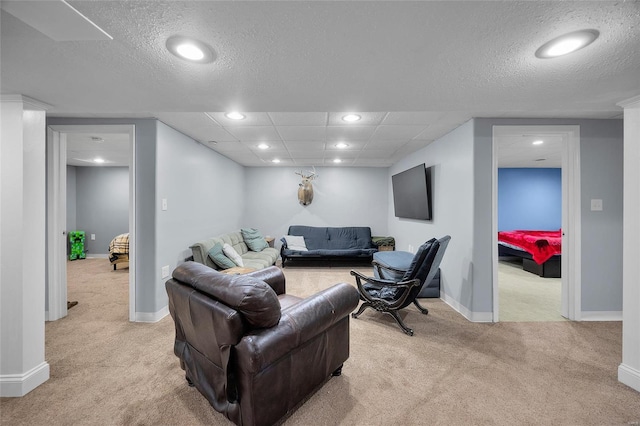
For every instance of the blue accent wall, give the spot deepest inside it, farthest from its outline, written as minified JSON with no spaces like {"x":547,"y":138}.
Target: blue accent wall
{"x":529,"y":198}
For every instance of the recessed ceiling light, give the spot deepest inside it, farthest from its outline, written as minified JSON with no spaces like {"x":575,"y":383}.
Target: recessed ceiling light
{"x":235,"y":115}
{"x":538,"y":142}
{"x":263,"y":146}
{"x":190,"y":49}
{"x":337,"y":160}
{"x":567,"y":43}
{"x":342,"y":145}
{"x":98,"y":160}
{"x":275,"y":160}
{"x":351,"y":118}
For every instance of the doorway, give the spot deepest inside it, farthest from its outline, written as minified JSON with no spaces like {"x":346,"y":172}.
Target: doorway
{"x":58,"y":138}
{"x":512,"y":141}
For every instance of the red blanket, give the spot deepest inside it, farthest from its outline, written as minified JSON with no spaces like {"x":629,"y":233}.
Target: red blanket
{"x":540,"y":244}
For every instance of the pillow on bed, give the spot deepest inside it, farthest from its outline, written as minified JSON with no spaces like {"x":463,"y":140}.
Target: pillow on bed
{"x":217,"y":256}
{"x":232,"y":254}
{"x":295,"y":242}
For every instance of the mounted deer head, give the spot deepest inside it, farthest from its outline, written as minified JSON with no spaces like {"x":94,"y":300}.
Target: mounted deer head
{"x":305,"y":189}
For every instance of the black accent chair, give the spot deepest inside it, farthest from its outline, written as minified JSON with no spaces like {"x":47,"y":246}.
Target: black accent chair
{"x":389,"y":296}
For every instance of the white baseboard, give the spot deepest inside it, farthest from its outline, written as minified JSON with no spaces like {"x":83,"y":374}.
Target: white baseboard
{"x":601,"y":316}
{"x":98,"y":255}
{"x":629,"y":376}
{"x":465,"y":312}
{"x":16,"y":385}
{"x":152,"y":316}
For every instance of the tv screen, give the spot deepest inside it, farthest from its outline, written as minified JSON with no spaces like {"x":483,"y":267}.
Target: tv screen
{"x":412,"y":193}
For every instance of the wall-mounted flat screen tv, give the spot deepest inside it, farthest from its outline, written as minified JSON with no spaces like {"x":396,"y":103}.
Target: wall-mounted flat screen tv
{"x":412,"y":193}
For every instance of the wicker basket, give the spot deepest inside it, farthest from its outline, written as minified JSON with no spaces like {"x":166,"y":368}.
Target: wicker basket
{"x":386,"y":248}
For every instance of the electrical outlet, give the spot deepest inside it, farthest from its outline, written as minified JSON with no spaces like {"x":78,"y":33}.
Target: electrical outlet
{"x":93,"y":237}
{"x":164,"y":204}
{"x":165,"y":271}
{"x":596,"y":205}
{"x":410,"y":248}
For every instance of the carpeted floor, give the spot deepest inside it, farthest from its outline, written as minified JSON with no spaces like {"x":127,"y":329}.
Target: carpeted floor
{"x":108,"y":371}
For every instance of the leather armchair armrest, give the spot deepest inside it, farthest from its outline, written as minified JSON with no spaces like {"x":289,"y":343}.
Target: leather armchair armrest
{"x":298,"y":324}
{"x":272,"y":276}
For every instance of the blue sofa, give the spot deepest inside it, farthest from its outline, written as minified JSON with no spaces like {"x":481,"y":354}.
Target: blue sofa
{"x":325,"y":243}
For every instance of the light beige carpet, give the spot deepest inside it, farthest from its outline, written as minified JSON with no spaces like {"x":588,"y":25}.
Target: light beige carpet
{"x":108,"y":371}
{"x":524,"y":296}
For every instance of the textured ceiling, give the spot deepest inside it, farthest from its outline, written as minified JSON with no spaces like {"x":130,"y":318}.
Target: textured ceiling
{"x":415,"y":69}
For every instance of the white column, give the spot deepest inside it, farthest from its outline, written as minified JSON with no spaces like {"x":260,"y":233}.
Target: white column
{"x":629,"y":370}
{"x":22,"y":245}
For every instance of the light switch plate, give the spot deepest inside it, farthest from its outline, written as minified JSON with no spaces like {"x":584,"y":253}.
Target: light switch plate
{"x":596,"y":205}
{"x":165,"y":271}
{"x":164,"y":204}
{"x":93,"y":237}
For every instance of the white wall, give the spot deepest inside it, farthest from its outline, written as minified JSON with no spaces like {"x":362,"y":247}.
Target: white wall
{"x":205,"y":197}
{"x":452,"y":193}
{"x":343,"y":196}
{"x":102,"y":206}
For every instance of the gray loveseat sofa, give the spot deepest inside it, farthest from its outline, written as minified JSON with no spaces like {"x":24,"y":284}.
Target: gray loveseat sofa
{"x":325,"y":243}
{"x":251,"y":259}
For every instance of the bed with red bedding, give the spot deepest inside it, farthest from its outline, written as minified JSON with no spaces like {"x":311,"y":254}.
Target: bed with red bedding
{"x":540,"y":250}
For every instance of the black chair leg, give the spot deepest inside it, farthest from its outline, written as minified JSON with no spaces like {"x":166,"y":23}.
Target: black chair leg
{"x":189,"y":382}
{"x":396,"y":317}
{"x":337,"y":372}
{"x":420,"y":307}
{"x":364,"y":306}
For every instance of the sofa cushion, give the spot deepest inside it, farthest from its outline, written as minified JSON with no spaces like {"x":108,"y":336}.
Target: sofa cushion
{"x":218,"y":257}
{"x":253,"y":239}
{"x":253,"y":298}
{"x":232,"y":254}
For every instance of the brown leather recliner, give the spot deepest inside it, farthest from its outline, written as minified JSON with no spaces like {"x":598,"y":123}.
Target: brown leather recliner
{"x":253,"y":351}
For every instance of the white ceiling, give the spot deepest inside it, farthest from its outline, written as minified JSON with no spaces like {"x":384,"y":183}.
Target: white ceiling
{"x":414,"y":70}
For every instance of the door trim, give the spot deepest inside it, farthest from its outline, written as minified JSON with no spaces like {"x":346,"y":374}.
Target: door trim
{"x":56,"y":224}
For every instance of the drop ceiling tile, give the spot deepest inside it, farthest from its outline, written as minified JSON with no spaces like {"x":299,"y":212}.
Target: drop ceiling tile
{"x":273,"y":146}
{"x":417,"y":118}
{"x":346,"y":134}
{"x":353,"y":146}
{"x":302,"y":133}
{"x":307,"y":154}
{"x":376,"y":153}
{"x":368,"y":118}
{"x":254,"y":133}
{"x":344,"y":162}
{"x":308,"y":162}
{"x":271,"y":154}
{"x":397,"y":132}
{"x":299,"y":118}
{"x":251,"y":119}
{"x":305,"y":146}
{"x":386,"y":144}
